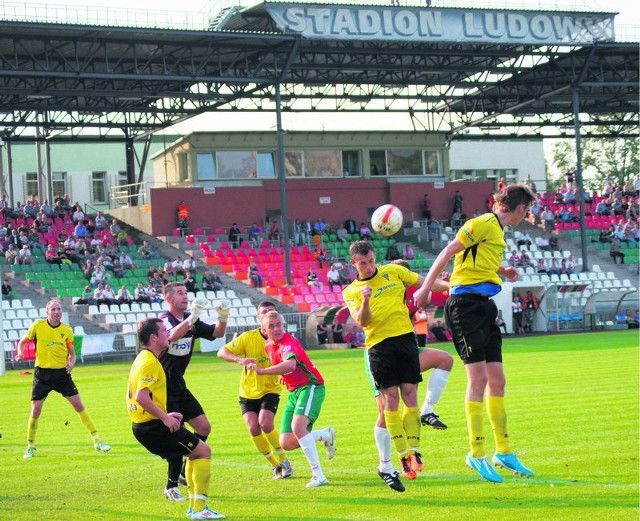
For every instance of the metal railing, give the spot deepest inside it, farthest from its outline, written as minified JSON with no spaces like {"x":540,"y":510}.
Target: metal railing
{"x":123,"y":195}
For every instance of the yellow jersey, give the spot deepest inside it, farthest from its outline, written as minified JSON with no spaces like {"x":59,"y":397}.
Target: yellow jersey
{"x":52,"y":343}
{"x":389,"y":315}
{"x":484,"y":245}
{"x":146,"y":372}
{"x":253,"y":386}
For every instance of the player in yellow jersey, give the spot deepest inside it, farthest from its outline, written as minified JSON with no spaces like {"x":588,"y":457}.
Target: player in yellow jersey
{"x":259,"y":394}
{"x":471,"y":315}
{"x":376,"y":301}
{"x":55,"y":359}
{"x":159,"y":431}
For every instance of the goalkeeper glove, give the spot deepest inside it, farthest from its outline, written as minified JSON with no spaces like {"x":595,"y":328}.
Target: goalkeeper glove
{"x":223,"y":309}
{"x":197,"y":307}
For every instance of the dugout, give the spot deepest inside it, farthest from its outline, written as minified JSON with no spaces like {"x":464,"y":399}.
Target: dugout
{"x":504,"y":301}
{"x":601,"y":308}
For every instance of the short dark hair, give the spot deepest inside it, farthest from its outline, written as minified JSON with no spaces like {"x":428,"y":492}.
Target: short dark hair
{"x":360,"y":248}
{"x":267,"y":304}
{"x":148,"y":327}
{"x":512,"y":196}
{"x":170,"y":288}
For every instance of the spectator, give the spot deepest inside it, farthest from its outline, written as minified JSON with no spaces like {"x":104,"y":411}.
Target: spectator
{"x":426,"y":207}
{"x":169,"y":268}
{"x":338,"y":332}
{"x":322,"y":331}
{"x":320,"y":255}
{"x":392,"y":252}
{"x":603,"y":237}
{"x":350,"y":225}
{"x":530,"y":305}
{"x":211,"y":281}
{"x":457,"y":219}
{"x":122,"y":238}
{"x":542,"y":266}
{"x":347,"y":274}
{"x":189,"y":265}
{"x":408,"y":253}
{"x":99,"y":295}
{"x":524,"y":240}
{"x":500,"y":322}
{"x":554,"y":243}
{"x":542,"y":242}
{"x":177,"y":266}
{"x":615,"y":252}
{"x":109,"y":294}
{"x":145,"y":250}
{"x":51,"y":255}
{"x":457,"y":202}
{"x":525,"y":260}
{"x":100,"y":221}
{"x":126,"y":261}
{"x":140,"y":294}
{"x":86,"y":297}
{"x":554,"y":269}
{"x":312,"y":279}
{"x":502,"y":184}
{"x":182,"y":214}
{"x":333,"y":277}
{"x":24,"y":256}
{"x":365,"y":232}
{"x":517,"y":309}
{"x":514,"y":259}
{"x":320,"y":227}
{"x":152,"y":294}
{"x":342,"y":233}
{"x":115,"y":229}
{"x":124,"y":296}
{"x":80,"y":230}
{"x":254,"y":274}
{"x":571,"y":265}
{"x":100,"y":276}
{"x":441,"y":332}
{"x":255,"y":234}
{"x":118,"y":270}
{"x":7,"y":290}
{"x":549,"y":219}
{"x":234,"y":235}
{"x":190,"y":281}
{"x":274,"y":231}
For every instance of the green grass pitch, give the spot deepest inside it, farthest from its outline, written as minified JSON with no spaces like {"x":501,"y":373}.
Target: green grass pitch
{"x":572,"y":402}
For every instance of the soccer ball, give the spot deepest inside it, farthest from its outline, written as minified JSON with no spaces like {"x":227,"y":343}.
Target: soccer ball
{"x":386,"y":220}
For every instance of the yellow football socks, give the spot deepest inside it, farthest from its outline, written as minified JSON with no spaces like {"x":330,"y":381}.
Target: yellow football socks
{"x":274,"y":441}
{"x":88,"y":423}
{"x":396,"y":430}
{"x":188,"y":474}
{"x":498,"y":418}
{"x":32,"y":427}
{"x":411,"y":424}
{"x":262,"y":444}
{"x":201,"y":469}
{"x":473,"y":412}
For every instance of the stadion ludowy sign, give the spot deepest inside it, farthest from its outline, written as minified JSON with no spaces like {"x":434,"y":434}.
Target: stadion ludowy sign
{"x":445,"y":25}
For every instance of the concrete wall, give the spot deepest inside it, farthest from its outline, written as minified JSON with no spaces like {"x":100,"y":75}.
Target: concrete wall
{"x":347,"y":198}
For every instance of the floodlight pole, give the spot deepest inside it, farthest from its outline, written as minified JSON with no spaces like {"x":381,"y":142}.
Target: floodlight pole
{"x":283,"y":187}
{"x":583,"y":227}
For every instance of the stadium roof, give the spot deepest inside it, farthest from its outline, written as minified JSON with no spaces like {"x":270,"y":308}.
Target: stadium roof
{"x":81,"y":81}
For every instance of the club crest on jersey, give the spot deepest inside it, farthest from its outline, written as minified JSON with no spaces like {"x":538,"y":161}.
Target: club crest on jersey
{"x":385,"y":276}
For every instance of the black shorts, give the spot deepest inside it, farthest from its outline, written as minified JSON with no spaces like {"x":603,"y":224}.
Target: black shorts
{"x":268,"y":402}
{"x":47,"y":380}
{"x":180,"y":399}
{"x":158,"y":439}
{"x":394,"y":361}
{"x":472,"y":321}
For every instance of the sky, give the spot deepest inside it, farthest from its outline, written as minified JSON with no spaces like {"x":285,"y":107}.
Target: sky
{"x":629,"y":9}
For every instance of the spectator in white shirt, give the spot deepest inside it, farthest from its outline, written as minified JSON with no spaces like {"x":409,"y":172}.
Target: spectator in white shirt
{"x":124,"y":296}
{"x":24,"y":255}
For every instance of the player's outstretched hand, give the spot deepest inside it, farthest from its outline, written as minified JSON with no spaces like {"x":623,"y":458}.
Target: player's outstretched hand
{"x":196,"y":309}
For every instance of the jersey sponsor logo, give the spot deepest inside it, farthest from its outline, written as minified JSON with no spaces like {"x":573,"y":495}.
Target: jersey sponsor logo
{"x":381,"y":290}
{"x":180,"y":348}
